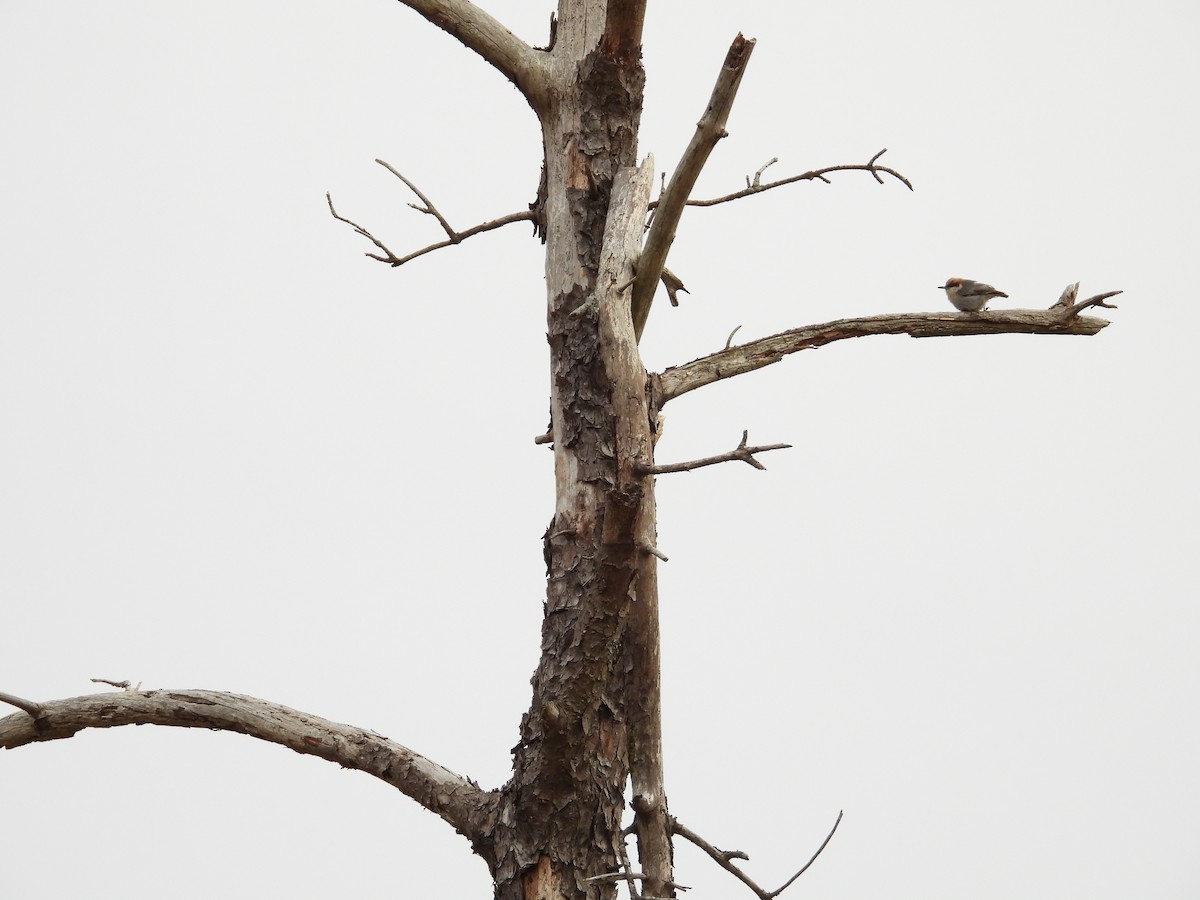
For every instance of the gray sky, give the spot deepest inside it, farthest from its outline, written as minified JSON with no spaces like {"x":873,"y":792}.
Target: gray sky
{"x":963,"y":609}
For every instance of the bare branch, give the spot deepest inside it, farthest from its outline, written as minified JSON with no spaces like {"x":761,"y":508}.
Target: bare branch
{"x":370,"y":237}
{"x":34,"y":709}
{"x":747,"y":357}
{"x":1098,"y":300}
{"x":124,"y":684}
{"x":812,"y":859}
{"x":756,"y":184}
{"x":453,"y":237}
{"x":458,"y":800}
{"x":428,"y":208}
{"x":741,"y":452}
{"x":469,"y":24}
{"x":670,"y":281}
{"x":709,"y":130}
{"x":814,"y":175}
{"x":724,"y":858}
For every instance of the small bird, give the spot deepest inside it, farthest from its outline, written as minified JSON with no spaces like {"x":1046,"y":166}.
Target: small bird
{"x":970,"y":296}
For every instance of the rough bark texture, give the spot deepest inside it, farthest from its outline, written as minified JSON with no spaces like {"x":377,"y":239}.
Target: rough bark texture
{"x":561,"y":816}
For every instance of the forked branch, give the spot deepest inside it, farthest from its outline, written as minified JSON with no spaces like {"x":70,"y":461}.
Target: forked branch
{"x":724,"y":858}
{"x":452,"y":237}
{"x":740,"y":453}
{"x":709,"y":130}
{"x":458,"y":800}
{"x":757,"y":186}
{"x":742,"y":358}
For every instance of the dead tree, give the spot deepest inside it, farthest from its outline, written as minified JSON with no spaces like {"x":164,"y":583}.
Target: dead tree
{"x":558,"y":828}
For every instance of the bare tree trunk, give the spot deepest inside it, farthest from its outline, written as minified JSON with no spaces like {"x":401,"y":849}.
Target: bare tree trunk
{"x":565,"y":800}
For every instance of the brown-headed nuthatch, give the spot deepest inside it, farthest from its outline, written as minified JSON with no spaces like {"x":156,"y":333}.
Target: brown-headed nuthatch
{"x":970,"y":296}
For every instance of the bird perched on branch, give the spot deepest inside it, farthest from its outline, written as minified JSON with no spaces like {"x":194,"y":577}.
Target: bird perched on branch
{"x":970,"y":296}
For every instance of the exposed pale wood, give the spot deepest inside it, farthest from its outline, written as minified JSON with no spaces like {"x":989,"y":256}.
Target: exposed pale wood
{"x":747,"y":357}
{"x":709,"y":130}
{"x":635,"y":446}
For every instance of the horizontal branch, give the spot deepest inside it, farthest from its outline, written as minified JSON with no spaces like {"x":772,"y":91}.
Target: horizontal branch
{"x":458,"y":800}
{"x":757,"y":187}
{"x":756,"y":354}
{"x":427,"y":207}
{"x":740,"y":453}
{"x":517,"y":61}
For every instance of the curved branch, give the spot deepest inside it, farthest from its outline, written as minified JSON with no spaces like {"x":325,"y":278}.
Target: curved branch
{"x":458,"y":800}
{"x":28,"y":706}
{"x":756,"y":354}
{"x":709,"y":130}
{"x":517,"y":61}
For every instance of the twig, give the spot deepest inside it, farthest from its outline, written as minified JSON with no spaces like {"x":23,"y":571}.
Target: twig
{"x":729,"y":340}
{"x":370,"y":237}
{"x":623,"y":856}
{"x":709,"y":130}
{"x":1098,"y":300}
{"x":429,"y":209}
{"x":756,"y":184}
{"x":814,"y":175}
{"x":654,"y":551}
{"x":124,"y":684}
{"x":813,"y":859}
{"x":34,"y":709}
{"x":741,"y":452}
{"x":723,"y":858}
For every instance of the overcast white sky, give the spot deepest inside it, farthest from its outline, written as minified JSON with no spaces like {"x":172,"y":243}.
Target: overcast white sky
{"x":235,"y":454}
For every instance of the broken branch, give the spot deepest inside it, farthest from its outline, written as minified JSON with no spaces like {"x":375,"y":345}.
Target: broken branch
{"x":741,"y":452}
{"x":709,"y":130}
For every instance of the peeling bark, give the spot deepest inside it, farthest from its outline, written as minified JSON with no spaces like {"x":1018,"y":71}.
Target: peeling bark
{"x":560,"y":817}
